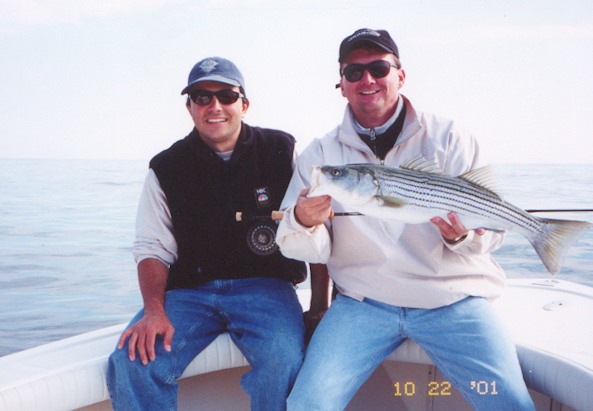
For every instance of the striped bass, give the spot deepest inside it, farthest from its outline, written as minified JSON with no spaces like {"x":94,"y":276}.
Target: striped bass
{"x":417,"y":191}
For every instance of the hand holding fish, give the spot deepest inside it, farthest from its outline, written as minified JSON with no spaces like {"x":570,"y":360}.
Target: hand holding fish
{"x":312,"y":211}
{"x":454,"y":232}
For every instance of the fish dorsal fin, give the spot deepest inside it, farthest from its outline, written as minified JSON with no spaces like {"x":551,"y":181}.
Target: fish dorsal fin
{"x":421,"y":164}
{"x":484,"y":178}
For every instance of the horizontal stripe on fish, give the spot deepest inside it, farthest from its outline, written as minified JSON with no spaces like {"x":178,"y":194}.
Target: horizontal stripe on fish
{"x":433,"y":191}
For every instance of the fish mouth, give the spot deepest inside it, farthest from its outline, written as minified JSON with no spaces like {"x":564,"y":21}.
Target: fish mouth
{"x":316,"y":182}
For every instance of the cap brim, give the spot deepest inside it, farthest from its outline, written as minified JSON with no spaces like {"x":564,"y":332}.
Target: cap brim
{"x":215,"y":77}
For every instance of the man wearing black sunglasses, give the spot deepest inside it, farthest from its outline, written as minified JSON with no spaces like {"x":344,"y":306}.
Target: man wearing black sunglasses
{"x":199,"y":273}
{"x":426,"y":282}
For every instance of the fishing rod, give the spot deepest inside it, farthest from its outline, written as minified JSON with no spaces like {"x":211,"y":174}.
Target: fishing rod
{"x":561,"y":210}
{"x":277,"y":215}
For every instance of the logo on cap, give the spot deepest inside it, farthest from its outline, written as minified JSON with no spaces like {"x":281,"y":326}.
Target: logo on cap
{"x":208,"y":65}
{"x":364,"y":33}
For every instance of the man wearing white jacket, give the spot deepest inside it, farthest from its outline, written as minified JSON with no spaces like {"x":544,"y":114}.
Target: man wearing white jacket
{"x":428,"y":282}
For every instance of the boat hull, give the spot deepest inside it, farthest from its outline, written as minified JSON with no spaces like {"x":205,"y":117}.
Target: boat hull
{"x":547,"y":319}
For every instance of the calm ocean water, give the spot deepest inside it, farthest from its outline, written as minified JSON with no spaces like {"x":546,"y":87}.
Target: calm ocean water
{"x":67,"y":227}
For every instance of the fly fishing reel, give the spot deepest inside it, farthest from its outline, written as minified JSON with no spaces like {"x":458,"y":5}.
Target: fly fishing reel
{"x":261,"y":237}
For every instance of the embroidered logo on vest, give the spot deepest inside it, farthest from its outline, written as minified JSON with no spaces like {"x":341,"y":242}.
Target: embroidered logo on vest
{"x":262,"y":197}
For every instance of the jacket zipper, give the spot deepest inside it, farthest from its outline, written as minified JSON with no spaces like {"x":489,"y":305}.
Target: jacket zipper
{"x":374,"y":142}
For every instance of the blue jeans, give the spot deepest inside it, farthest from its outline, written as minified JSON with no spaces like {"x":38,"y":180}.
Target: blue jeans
{"x":465,"y":341}
{"x":264,"y":319}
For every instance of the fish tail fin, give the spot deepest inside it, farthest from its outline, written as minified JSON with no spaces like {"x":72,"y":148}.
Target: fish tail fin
{"x":554,"y":238}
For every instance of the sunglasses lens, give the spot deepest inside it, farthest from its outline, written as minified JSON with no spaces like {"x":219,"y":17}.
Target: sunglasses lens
{"x":377,"y":69}
{"x":227,"y":96}
{"x":354,"y":72}
{"x":204,"y":97}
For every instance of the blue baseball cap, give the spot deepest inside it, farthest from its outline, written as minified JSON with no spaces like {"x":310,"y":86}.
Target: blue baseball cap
{"x":215,"y":69}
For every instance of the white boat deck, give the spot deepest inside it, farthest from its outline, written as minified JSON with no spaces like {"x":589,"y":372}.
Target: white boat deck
{"x":549,"y":320}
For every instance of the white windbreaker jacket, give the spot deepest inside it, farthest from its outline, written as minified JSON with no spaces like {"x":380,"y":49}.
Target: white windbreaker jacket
{"x":400,"y":264}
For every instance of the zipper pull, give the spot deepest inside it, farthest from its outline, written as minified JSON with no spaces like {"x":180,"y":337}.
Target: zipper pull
{"x":373,"y":134}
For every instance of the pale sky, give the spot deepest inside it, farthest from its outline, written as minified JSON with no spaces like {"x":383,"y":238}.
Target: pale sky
{"x":102,"y":79}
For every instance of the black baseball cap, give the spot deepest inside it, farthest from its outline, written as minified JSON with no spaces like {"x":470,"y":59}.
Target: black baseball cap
{"x":380,"y":38}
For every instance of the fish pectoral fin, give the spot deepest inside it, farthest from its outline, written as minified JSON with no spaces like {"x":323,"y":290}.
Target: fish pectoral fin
{"x":392,"y":202}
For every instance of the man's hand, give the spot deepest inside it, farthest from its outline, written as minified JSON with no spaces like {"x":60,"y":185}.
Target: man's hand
{"x":142,"y":336}
{"x":454,"y":231}
{"x":152,"y":277}
{"x":312,"y":211}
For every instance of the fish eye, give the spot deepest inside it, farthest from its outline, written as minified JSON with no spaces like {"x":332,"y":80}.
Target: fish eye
{"x":335,"y":172}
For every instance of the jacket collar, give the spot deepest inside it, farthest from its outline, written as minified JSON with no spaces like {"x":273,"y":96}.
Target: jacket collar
{"x":204,"y":151}
{"x":382,"y":128}
{"x":348,"y":135}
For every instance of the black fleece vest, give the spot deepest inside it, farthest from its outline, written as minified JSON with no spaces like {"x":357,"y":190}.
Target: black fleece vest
{"x":204,"y":193}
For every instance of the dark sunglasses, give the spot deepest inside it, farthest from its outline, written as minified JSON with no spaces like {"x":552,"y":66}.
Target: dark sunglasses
{"x":225,"y":96}
{"x":377,"y":69}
